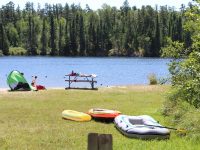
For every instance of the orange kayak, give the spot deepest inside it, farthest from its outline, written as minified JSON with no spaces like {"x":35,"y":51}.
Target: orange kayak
{"x":103,"y":113}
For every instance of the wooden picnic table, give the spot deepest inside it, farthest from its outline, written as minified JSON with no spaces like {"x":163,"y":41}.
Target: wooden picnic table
{"x":75,"y":77}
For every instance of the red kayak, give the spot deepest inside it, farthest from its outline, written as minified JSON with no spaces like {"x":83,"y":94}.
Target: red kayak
{"x":98,"y":113}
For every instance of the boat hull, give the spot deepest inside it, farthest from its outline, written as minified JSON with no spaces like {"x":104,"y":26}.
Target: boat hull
{"x":141,"y":127}
{"x":98,"y":113}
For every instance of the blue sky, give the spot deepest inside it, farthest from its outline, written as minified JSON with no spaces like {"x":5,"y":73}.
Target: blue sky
{"x":95,"y":4}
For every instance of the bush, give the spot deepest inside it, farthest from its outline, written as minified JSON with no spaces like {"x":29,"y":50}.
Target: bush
{"x":116,"y":52}
{"x":1,"y":53}
{"x":186,"y":79}
{"x":173,"y":49}
{"x":17,"y":51}
{"x":183,"y":102}
{"x":152,"y":79}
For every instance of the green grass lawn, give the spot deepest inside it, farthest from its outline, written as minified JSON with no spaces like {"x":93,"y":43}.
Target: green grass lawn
{"x":32,"y":120}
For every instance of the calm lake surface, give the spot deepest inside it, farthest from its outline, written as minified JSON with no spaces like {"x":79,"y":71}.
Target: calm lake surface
{"x":51,"y":71}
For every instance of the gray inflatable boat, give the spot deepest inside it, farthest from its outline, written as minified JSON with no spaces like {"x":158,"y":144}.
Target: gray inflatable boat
{"x":142,"y":127}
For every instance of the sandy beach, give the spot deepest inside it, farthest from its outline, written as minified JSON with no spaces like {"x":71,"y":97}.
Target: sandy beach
{"x":121,"y":87}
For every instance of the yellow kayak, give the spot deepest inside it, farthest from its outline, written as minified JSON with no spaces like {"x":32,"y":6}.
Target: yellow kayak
{"x":75,"y":115}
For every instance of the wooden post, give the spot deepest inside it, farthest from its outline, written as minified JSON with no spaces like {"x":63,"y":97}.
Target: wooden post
{"x":69,"y":81}
{"x":92,"y":141}
{"x":99,"y":141}
{"x":92,"y":83}
{"x":105,"y":142}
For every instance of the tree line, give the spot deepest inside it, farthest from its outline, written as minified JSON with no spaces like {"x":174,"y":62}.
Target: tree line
{"x":70,"y":30}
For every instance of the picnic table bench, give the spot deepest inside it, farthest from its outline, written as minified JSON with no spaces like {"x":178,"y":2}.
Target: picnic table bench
{"x":75,"y":77}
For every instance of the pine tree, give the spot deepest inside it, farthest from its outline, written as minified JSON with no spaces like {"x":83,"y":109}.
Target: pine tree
{"x":156,"y":45}
{"x":29,"y":40}
{"x":34,"y":38}
{"x":73,"y":42}
{"x":44,"y":38}
{"x":4,"y":45}
{"x":61,"y":42}
{"x":53,"y":36}
{"x":82,"y":37}
{"x":67,"y":42}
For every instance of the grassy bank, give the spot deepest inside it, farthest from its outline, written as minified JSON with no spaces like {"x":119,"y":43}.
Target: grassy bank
{"x":32,"y":120}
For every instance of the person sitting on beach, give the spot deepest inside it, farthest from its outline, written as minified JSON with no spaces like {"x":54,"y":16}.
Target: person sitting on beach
{"x":38,"y":87}
{"x":33,"y":83}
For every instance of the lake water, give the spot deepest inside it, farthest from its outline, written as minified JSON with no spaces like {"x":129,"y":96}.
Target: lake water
{"x":51,"y":71}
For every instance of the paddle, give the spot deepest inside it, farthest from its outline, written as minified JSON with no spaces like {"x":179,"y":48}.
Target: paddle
{"x":179,"y":130}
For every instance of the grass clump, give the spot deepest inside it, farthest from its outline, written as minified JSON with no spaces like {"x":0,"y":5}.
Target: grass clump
{"x":17,"y":51}
{"x":152,"y":79}
{"x":182,"y":115}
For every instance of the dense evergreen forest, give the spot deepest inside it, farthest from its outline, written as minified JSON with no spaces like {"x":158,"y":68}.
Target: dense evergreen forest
{"x":73,"y":31}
